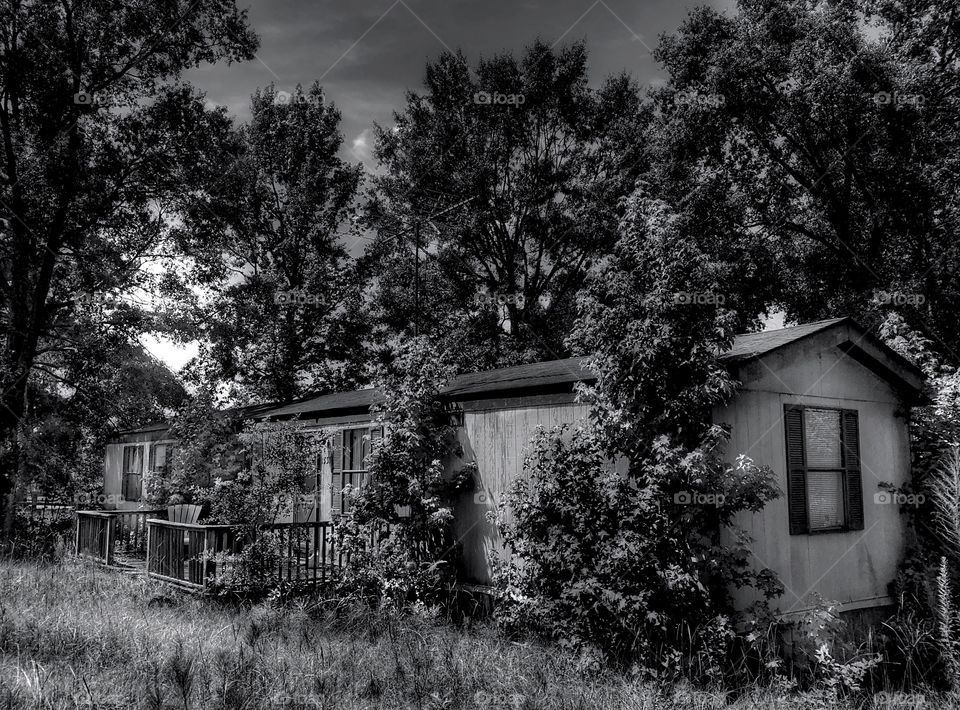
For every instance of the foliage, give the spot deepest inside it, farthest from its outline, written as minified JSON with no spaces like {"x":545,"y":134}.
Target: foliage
{"x":825,"y":149}
{"x":619,"y":563}
{"x":654,"y":319}
{"x":407,"y":505}
{"x":934,"y":435}
{"x":543,"y":164}
{"x":249,"y":479}
{"x":40,"y":534}
{"x":206,"y":451}
{"x":633,"y":559}
{"x":825,"y":655}
{"x":103,"y":145}
{"x":281,"y":319}
{"x":157,"y":649}
{"x":934,"y":427}
{"x":278,"y":459}
{"x":940,"y":582}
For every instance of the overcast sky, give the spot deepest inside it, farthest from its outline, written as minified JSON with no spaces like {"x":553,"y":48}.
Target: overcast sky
{"x":367,"y":54}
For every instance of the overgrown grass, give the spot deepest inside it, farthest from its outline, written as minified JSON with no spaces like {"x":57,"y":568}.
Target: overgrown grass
{"x":75,"y":636}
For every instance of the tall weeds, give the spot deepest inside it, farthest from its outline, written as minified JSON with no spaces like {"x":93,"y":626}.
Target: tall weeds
{"x":944,"y":487}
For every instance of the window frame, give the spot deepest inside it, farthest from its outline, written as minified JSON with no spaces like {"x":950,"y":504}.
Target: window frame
{"x":853,"y":520}
{"x":125,"y":475}
{"x":356,"y":477}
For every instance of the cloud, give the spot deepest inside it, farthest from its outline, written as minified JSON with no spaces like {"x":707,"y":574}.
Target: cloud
{"x":362,"y":148}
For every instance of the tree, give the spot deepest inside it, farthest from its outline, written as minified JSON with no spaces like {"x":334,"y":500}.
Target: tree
{"x":636,"y":563}
{"x":408,"y":501}
{"x":282,"y":315}
{"x":528,"y":164}
{"x":66,"y":428}
{"x":101,"y":147}
{"x":835,"y":152}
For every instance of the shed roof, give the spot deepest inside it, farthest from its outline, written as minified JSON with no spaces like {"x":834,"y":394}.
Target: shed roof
{"x":335,"y":402}
{"x":554,"y":375}
{"x":561,"y":375}
{"x":748,"y":346}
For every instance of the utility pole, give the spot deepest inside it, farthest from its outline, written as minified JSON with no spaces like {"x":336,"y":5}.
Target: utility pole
{"x":416,"y":279}
{"x":416,"y":254}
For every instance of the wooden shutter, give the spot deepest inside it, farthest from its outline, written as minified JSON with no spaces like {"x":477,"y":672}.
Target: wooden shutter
{"x":796,"y":470}
{"x":376,"y":433}
{"x":851,"y":464}
{"x":336,"y":473}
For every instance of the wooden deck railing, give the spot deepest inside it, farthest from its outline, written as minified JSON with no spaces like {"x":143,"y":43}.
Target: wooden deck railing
{"x":95,"y":535}
{"x":101,"y":534}
{"x":132,"y":529}
{"x":187,"y":554}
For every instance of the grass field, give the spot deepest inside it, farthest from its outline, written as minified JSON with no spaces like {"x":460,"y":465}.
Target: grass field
{"x":75,"y":636}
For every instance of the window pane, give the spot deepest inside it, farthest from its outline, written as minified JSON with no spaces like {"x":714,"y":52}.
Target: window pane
{"x":132,"y":459}
{"x":822,"y":435}
{"x":356,"y":461}
{"x":825,"y":499}
{"x":368,"y":438}
{"x":158,"y":457}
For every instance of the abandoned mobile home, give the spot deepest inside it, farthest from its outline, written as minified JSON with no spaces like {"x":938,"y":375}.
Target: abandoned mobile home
{"x":825,"y":405}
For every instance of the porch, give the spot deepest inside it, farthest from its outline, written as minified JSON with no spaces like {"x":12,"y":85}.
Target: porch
{"x":192,"y":556}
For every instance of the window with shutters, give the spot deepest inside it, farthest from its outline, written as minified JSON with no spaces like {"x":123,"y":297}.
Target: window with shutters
{"x":350,"y":458}
{"x":161,"y":458}
{"x":825,"y":491}
{"x":132,"y":472}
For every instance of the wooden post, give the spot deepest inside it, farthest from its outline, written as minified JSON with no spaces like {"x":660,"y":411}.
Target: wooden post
{"x":147,"y":523}
{"x":108,"y":553}
{"x":204,"y":563}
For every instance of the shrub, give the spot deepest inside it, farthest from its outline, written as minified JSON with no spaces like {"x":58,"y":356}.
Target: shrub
{"x":638,"y":562}
{"x":610,"y":562}
{"x":407,"y":506}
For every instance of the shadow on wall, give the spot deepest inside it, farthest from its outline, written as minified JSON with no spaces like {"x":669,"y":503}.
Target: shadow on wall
{"x":478,"y":535}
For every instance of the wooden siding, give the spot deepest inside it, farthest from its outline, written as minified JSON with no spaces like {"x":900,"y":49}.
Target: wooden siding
{"x":113,"y":474}
{"x":855,"y":567}
{"x":498,"y":440}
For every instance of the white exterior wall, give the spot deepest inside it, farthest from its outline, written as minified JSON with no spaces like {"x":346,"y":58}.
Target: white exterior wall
{"x":855,"y":567}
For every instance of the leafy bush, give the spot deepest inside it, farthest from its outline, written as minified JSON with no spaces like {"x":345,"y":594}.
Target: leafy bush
{"x":929,"y":575}
{"x":610,"y":562}
{"x":406,"y":509}
{"x":207,"y":451}
{"x":39,"y":535}
{"x":637,"y":562}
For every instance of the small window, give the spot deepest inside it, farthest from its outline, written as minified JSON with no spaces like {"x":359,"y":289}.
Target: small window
{"x":350,"y":461}
{"x":161,"y":458}
{"x":823,"y":459}
{"x":132,"y":486}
